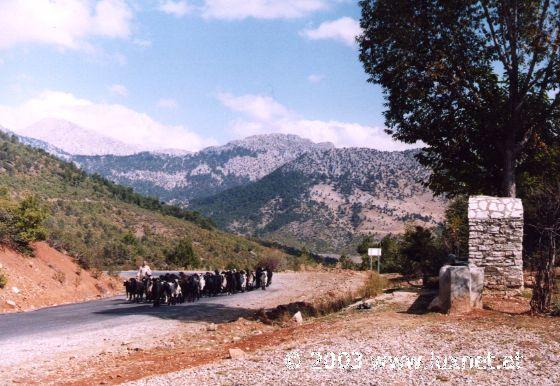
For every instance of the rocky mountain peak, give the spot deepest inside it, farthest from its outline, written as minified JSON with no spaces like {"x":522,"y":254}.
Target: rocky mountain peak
{"x":274,"y":142}
{"x":75,"y":139}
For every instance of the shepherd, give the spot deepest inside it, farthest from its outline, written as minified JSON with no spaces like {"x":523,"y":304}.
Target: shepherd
{"x":144,"y":271}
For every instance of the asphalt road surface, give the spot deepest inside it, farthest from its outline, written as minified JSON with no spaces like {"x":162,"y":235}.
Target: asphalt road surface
{"x":115,"y":312}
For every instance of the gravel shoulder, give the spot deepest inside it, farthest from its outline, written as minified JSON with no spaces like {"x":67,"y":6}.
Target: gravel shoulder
{"x":389,"y":330}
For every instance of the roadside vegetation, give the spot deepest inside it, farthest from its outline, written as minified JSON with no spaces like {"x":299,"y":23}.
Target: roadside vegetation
{"x":22,"y":222}
{"x":420,"y":251}
{"x":3,"y":279}
{"x":331,"y":302}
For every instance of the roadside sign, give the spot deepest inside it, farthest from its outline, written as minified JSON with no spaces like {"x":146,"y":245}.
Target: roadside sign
{"x":375,"y":252}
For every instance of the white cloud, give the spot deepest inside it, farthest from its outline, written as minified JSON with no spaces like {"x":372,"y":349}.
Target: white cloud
{"x":67,"y":24}
{"x":261,"y":9}
{"x":119,"y":89}
{"x":167,"y":103}
{"x":315,"y":78}
{"x":258,"y":107}
{"x":111,"y":120}
{"x":175,"y":8}
{"x":261,"y":114}
{"x":144,"y":43}
{"x":343,"y":30}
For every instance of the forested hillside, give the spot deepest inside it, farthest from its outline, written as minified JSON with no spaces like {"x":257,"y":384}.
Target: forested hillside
{"x":106,"y":225}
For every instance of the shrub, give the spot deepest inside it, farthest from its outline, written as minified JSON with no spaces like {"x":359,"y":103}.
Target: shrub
{"x":59,"y":276}
{"x":295,"y":263}
{"x":30,"y":216}
{"x":346,"y":263}
{"x":3,"y":279}
{"x":23,"y":223}
{"x":374,"y":285}
{"x":271,"y":262}
{"x":182,"y":255}
{"x":421,"y":248}
{"x":456,"y":227}
{"x":232,"y":265}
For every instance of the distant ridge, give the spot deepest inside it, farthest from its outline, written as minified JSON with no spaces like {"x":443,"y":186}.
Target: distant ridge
{"x":74,"y":139}
{"x":179,"y":179}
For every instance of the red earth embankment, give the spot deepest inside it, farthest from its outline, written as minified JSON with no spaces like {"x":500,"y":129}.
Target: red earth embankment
{"x":47,"y":279}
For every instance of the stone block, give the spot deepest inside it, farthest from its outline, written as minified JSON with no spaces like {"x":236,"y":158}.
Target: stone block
{"x":460,"y":289}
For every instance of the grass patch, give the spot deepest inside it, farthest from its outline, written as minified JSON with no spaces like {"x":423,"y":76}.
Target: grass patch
{"x":374,"y":285}
{"x":527,"y":293}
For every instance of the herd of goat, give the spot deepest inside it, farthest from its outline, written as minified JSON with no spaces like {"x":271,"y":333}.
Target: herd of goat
{"x":173,"y":288}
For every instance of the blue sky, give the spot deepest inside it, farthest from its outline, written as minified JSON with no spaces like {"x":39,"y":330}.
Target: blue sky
{"x":187,"y":74}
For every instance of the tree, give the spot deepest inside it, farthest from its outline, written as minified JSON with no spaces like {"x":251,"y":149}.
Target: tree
{"x":345,"y":262}
{"x":392,"y":260}
{"x":542,"y":224}
{"x":420,"y":248}
{"x":473,"y":80}
{"x":182,"y":255}
{"x":544,"y":207}
{"x":366,"y":243}
{"x":455,"y":231}
{"x":28,"y":221}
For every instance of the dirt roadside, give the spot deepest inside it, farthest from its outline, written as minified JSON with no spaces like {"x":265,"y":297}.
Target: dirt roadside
{"x":49,"y":278}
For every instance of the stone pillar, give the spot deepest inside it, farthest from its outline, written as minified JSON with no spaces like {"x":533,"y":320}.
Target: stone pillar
{"x":496,"y":241}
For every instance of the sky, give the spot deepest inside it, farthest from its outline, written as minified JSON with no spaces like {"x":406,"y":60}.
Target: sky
{"x":187,"y":74}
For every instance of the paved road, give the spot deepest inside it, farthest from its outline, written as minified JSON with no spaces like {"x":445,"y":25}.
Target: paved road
{"x":114,"y":312}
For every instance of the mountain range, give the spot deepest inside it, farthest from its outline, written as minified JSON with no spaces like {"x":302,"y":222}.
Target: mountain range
{"x":180,"y":179}
{"x":325,"y":200}
{"x":277,"y":187}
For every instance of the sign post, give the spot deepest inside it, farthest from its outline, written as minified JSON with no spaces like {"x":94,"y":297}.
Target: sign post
{"x":375,"y":252}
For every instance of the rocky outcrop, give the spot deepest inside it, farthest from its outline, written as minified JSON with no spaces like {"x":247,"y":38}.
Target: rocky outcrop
{"x":496,"y":241}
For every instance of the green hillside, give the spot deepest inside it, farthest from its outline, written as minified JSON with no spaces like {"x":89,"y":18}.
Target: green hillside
{"x":109,"y":226}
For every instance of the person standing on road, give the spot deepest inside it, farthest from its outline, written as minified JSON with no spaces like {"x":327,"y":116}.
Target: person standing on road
{"x":144,"y":271}
{"x":258,"y":276}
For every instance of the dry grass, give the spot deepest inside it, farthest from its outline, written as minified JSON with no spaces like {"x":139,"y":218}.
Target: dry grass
{"x":59,"y":276}
{"x":95,"y":273}
{"x":374,"y":285}
{"x":3,"y":279}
